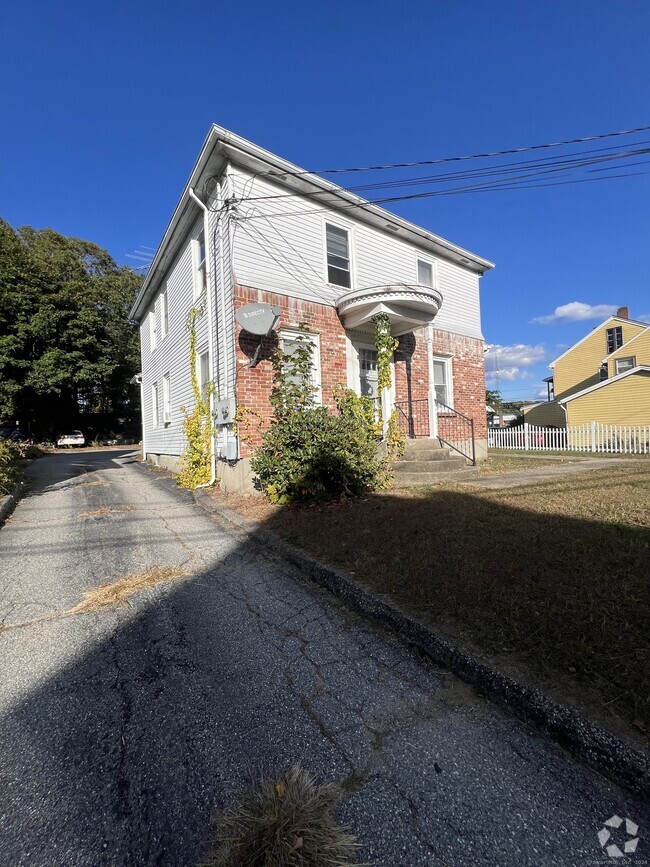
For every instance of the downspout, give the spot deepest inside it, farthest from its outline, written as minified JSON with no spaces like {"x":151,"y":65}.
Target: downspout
{"x":433,"y":415}
{"x":208,"y":292}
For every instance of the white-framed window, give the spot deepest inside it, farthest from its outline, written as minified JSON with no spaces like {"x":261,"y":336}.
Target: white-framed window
{"x":164,"y":315}
{"x":155,"y":406}
{"x":426,"y":273}
{"x":623,"y":364}
{"x":338,"y":256}
{"x":290,"y":341}
{"x":198,"y":259}
{"x":203,"y":372}
{"x":167,"y":399}
{"x":443,"y":380}
{"x":153,"y":328}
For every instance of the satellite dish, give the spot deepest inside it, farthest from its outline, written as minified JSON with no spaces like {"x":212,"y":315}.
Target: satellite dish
{"x":258,"y":319}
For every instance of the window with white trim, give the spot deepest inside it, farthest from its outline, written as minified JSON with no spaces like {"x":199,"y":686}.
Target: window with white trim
{"x":337,"y":241}
{"x":203,"y":372}
{"x":442,"y":380}
{"x":292,"y":340}
{"x":623,"y":364}
{"x":164,"y":315}
{"x":155,"y":406}
{"x":153,"y":328}
{"x":167,"y":399}
{"x":198,"y":257}
{"x":425,"y":273}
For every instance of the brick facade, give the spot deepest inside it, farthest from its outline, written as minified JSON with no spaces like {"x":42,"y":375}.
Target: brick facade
{"x":253,"y":386}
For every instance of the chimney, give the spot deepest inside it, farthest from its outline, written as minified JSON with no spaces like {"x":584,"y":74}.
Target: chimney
{"x":623,"y":312}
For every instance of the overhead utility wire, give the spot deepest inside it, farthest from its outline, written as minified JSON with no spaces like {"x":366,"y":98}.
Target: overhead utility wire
{"x":501,"y":168}
{"x":467,"y":157}
{"x":512,"y":183}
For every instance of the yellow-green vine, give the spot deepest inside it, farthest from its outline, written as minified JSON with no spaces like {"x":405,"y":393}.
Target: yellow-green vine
{"x":395,"y":438}
{"x":197,"y":423}
{"x":385,"y":344}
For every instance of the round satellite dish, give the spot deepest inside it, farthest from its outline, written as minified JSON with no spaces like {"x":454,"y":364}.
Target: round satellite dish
{"x":258,"y":319}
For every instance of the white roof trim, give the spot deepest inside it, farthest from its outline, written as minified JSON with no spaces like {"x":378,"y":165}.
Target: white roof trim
{"x":582,"y":340}
{"x":644,"y":368}
{"x":227,"y":145}
{"x":625,"y":345}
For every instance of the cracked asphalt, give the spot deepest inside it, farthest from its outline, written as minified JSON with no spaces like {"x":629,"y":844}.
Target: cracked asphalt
{"x":121,"y":730}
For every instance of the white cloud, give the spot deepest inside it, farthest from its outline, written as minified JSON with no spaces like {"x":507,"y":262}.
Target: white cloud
{"x":543,"y":392}
{"x":577,"y":311}
{"x":508,"y":363}
{"x":645,"y":317}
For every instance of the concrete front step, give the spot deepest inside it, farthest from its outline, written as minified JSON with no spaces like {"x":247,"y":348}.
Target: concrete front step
{"x":430,"y":454}
{"x":412,"y":480}
{"x":446,"y":466}
{"x":424,"y":443}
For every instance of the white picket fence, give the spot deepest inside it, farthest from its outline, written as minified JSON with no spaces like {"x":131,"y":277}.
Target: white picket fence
{"x":592,"y":437}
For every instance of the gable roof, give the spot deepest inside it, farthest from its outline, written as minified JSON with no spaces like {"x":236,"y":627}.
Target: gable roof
{"x":595,"y":328}
{"x":222,"y":146}
{"x":641,"y":368}
{"x":626,"y":344}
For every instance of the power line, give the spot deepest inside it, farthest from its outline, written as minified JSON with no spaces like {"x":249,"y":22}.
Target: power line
{"x":467,"y":174}
{"x":503,"y":184}
{"x":486,"y":155}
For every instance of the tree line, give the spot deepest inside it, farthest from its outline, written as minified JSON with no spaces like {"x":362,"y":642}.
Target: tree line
{"x":67,"y":348}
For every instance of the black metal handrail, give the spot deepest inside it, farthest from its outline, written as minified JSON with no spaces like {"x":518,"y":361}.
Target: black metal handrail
{"x":456,"y":430}
{"x":413,"y":417}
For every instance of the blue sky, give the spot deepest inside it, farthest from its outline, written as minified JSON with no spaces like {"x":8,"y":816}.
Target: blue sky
{"x":105,"y":105}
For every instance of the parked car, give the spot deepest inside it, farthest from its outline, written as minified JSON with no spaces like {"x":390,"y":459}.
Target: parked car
{"x":74,"y":439}
{"x":15,"y":435}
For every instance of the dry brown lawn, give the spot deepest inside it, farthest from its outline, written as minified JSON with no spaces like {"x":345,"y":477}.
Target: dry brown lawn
{"x":550,"y":579}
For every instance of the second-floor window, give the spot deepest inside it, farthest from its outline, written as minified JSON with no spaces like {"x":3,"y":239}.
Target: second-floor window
{"x":623,"y":364}
{"x":614,"y":338}
{"x":153,"y":328}
{"x":425,"y":273}
{"x":198,"y":255}
{"x":338,"y":255}
{"x":167,"y":399}
{"x":164,"y":315}
{"x":155,"y":406}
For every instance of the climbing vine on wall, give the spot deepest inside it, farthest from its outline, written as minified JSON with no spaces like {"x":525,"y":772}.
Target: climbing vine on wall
{"x":196,"y":458}
{"x":385,"y":344}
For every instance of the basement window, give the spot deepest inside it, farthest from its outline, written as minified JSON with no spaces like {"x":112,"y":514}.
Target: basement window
{"x":614,"y":338}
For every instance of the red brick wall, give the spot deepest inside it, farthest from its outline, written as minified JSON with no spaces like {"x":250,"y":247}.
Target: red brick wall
{"x":411,"y":378}
{"x":468,"y":372}
{"x":254,"y":386}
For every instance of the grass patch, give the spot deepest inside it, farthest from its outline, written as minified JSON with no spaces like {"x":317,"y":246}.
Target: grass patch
{"x":105,"y":510}
{"x":283,"y":822}
{"x":498,"y":464}
{"x":549,"y":579}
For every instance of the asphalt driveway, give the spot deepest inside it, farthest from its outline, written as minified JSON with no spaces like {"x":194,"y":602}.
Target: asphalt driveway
{"x":122,"y":729}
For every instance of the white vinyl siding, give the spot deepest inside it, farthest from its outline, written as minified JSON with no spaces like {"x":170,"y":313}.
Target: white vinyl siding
{"x":172,"y":355}
{"x":281,"y":250}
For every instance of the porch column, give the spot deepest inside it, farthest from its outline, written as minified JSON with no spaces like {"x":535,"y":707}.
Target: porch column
{"x":433,"y":415}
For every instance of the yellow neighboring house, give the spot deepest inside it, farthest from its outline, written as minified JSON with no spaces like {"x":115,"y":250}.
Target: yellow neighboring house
{"x":603,"y":378}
